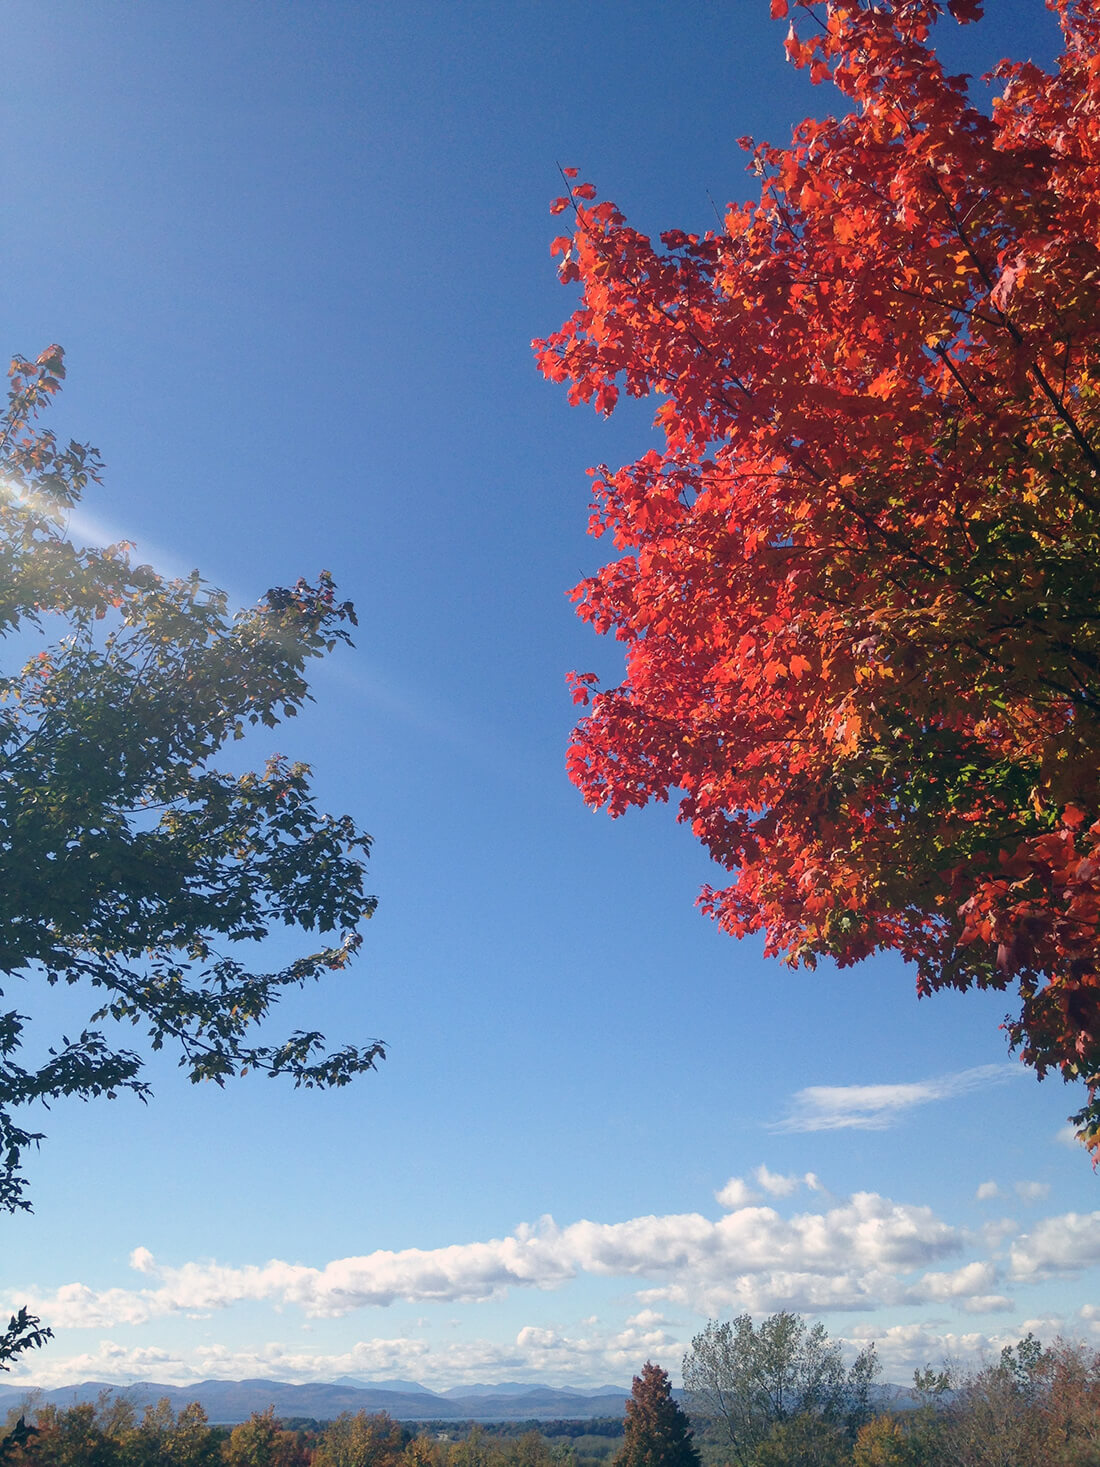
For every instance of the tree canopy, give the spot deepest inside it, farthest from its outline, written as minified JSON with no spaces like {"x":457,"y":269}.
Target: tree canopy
{"x":858,"y":582}
{"x":129,"y":862}
{"x":656,"y":1433}
{"x":742,"y":1381}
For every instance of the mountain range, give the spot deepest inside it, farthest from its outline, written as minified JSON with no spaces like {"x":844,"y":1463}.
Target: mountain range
{"x":227,"y":1401}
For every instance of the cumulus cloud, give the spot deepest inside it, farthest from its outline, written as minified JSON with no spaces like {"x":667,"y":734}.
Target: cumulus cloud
{"x":736,"y":1193}
{"x":970,"y":1288}
{"x":775,"y":1184}
{"x":1057,"y":1245}
{"x":875,"y":1107}
{"x":986,"y":1304}
{"x":644,"y":1319}
{"x":848,"y":1256}
{"x":995,"y":1233}
{"x":827,"y":1255}
{"x":972,"y":1278}
{"x":987,"y":1191}
{"x":861,"y":1254}
{"x":901,"y":1348}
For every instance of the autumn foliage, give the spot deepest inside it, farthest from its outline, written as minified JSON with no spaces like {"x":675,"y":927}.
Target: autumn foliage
{"x":656,"y":1432}
{"x":859,"y":583}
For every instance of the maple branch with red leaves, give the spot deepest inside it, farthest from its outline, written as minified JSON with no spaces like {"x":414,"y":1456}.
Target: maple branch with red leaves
{"x":857,"y":586}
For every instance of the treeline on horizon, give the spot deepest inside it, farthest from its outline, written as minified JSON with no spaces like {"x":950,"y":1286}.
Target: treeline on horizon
{"x":1035,"y":1407}
{"x":112,"y":1432}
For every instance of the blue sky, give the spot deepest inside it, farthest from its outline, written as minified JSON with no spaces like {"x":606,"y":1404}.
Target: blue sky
{"x":296,"y":255}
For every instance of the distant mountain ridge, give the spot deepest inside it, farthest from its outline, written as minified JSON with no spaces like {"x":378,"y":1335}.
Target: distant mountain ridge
{"x":524,"y":1388}
{"x":229,"y":1401}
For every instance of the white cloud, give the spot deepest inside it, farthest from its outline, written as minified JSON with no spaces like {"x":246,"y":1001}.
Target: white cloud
{"x":875,"y":1107}
{"x":987,"y":1191}
{"x":862,"y":1254}
{"x":736,"y":1193}
{"x":995,"y":1233}
{"x":972,"y":1278}
{"x":865,"y":1253}
{"x":902,"y":1348}
{"x":986,"y":1304}
{"x":969,"y":1288}
{"x":1032,"y":1191}
{"x":645,"y":1319}
{"x":1065,"y":1244}
{"x":578,"y":1356}
{"x":584,"y":1354}
{"x":776,"y":1185}
{"x":849,"y":1256}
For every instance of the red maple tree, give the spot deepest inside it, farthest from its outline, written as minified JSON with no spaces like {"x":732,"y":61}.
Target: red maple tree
{"x":859,"y":585}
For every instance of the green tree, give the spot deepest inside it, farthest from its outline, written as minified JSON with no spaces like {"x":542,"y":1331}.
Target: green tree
{"x":1037,"y":1407}
{"x":25,"y":1331}
{"x":742,"y":1380}
{"x":261,"y":1441}
{"x":363,"y":1440}
{"x":884,"y":1442}
{"x":423,"y":1451}
{"x":70,"y":1438}
{"x":656,"y":1432}
{"x":475,"y":1450}
{"x":191,"y":1442}
{"x":804,"y":1440}
{"x":129,"y":862}
{"x":529,"y":1450}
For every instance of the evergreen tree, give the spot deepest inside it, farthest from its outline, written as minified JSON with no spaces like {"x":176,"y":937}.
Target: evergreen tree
{"x":657,"y":1433}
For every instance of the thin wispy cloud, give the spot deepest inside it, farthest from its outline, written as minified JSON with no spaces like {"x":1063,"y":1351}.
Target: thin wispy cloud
{"x":876,"y":1107}
{"x":1032,"y":1191}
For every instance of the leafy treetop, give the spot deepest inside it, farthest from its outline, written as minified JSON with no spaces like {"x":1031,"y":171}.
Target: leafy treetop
{"x":129,"y":862}
{"x":656,"y":1433}
{"x":858,"y":583}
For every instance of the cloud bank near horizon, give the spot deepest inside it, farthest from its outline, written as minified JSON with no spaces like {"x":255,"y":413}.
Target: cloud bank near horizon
{"x":848,"y":1255}
{"x":852,"y":1256}
{"x":583,"y":1354}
